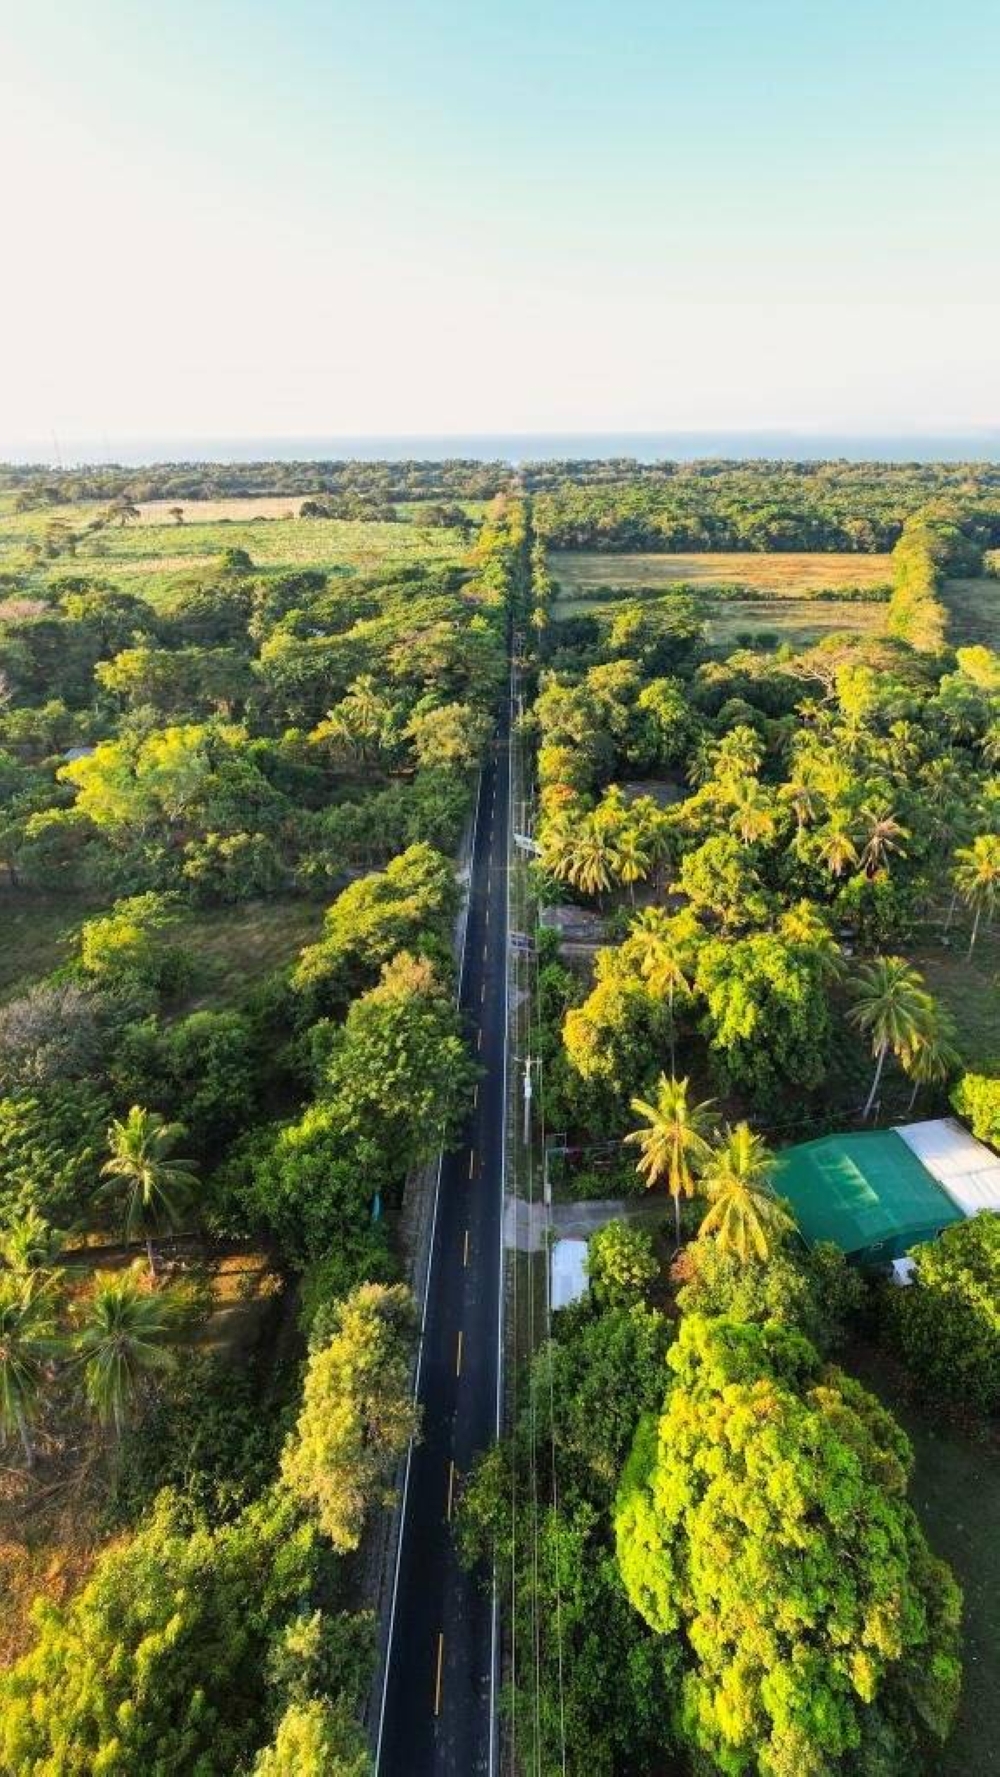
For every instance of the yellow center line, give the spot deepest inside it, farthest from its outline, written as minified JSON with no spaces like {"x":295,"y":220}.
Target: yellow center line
{"x":487,"y":913}
{"x":465,"y":1250}
{"x":437,"y":1681}
{"x":451,"y":1488}
{"x":458,"y":1355}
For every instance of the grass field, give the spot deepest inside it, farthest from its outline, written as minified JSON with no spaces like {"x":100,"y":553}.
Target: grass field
{"x":973,"y":611}
{"x":246,"y":506}
{"x":580,"y":575}
{"x":231,"y":947}
{"x":148,"y":557}
{"x":970,"y":988}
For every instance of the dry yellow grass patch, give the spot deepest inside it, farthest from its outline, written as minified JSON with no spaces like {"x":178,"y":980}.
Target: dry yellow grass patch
{"x":244,"y":506}
{"x":581,"y":573}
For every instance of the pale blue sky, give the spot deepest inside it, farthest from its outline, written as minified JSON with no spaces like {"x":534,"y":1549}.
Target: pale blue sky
{"x":343,"y":217}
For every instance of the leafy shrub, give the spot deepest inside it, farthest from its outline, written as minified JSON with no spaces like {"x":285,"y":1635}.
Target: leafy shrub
{"x":947,"y":1322}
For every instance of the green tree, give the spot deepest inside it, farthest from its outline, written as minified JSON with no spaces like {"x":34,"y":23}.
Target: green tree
{"x":744,"y":1215}
{"x":766,"y":1009}
{"x":156,"y":1185}
{"x":315,"y":1739}
{"x":977,"y":878}
{"x":806,"y":1627}
{"x":157,"y":1663}
{"x":933,"y":1056}
{"x":621,"y":1263}
{"x":28,"y":1344}
{"x":674,"y":1147}
{"x":123,"y":1337}
{"x":892,"y":1008}
{"x":977,"y":1098}
{"x":947,"y":1322}
{"x":358,"y":1413}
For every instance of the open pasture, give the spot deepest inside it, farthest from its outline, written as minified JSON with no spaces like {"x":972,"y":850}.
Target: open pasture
{"x":973,"y":611}
{"x":583,"y":575}
{"x":240,"y":509}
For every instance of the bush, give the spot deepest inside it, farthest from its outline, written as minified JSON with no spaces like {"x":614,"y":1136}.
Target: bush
{"x":947,"y":1322}
{"x":621,"y":1264}
{"x":976,"y":1097}
{"x":816,"y":1292}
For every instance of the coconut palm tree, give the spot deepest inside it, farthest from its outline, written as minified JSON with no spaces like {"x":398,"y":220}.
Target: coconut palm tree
{"x":884,"y":836}
{"x":753,"y":816}
{"x":28,"y":1343}
{"x":633,"y":860}
{"x":595,"y":861}
{"x":664,"y":946}
{"x":933,"y":1055}
{"x":835,"y":845}
{"x":977,"y":878}
{"x":156,"y":1186}
{"x":674,"y":1145}
{"x":744,"y":1215}
{"x":123,"y":1338}
{"x":892,"y":1008}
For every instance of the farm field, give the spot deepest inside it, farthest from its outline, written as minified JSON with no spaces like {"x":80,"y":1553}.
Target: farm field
{"x":582,"y":574}
{"x":973,"y":611}
{"x":795,"y":620}
{"x":147,"y":557}
{"x":243,"y":507}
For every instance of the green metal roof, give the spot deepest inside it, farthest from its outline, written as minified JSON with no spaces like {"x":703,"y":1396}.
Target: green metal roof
{"x":868,"y":1193}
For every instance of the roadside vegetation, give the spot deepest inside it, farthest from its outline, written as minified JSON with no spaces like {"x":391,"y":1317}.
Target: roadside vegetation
{"x":789,"y":863}
{"x":228,"y":825}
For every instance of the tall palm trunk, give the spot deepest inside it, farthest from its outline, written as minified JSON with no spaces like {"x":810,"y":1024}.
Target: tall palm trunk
{"x":975,"y":932}
{"x":677,"y":1217}
{"x":151,"y":1255}
{"x":913,"y":1097}
{"x":866,"y":1113}
{"x":951,"y":912}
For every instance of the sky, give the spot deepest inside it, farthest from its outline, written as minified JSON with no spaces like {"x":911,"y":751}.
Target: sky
{"x":316,"y":217}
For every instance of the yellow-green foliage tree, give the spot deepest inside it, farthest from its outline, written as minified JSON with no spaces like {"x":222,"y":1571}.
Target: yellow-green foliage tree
{"x":763,"y":1531}
{"x":358,"y":1413}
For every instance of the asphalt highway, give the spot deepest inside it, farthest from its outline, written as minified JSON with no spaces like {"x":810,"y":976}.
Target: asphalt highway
{"x":437,"y":1713}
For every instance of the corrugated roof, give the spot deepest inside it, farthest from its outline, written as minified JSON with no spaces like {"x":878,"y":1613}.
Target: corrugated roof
{"x":966,"y":1168}
{"x":867,"y":1193}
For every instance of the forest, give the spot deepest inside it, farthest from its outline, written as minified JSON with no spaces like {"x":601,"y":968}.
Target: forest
{"x":238,"y":758}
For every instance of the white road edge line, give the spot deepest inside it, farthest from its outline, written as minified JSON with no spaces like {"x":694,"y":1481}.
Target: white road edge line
{"x":423,"y":1317}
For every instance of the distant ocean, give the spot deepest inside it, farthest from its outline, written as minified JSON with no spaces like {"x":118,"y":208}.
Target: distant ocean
{"x":646,"y":447}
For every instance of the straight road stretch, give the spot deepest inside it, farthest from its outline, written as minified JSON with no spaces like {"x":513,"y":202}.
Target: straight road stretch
{"x":437,"y":1708}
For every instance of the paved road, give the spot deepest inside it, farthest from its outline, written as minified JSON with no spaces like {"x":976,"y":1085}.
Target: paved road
{"x":437,"y":1714}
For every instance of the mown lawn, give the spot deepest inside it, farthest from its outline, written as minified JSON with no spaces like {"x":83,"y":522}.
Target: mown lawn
{"x":970,"y":988}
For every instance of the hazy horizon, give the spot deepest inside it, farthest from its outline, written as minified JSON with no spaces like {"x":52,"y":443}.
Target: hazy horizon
{"x":972,"y":445}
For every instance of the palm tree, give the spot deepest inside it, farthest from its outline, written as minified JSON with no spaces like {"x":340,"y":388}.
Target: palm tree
{"x":663,"y":944}
{"x":594,"y":861}
{"x":933,"y":1055}
{"x":892,"y":1007}
{"x":744,"y":1214}
{"x":157,"y":1186}
{"x":633,"y":859}
{"x":675,"y":1144}
{"x":27,"y":1344}
{"x":884,"y":836}
{"x":753,"y":816}
{"x":835,"y":844}
{"x":122,"y":1339}
{"x":977,"y":878}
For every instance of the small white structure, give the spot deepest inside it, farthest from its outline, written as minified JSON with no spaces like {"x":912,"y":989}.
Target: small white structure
{"x":568,"y":1272}
{"x":966,"y":1168}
